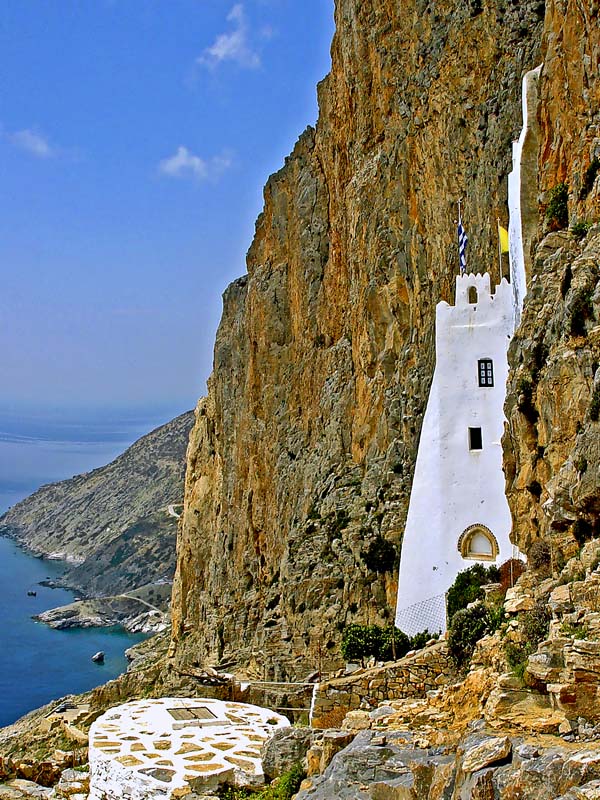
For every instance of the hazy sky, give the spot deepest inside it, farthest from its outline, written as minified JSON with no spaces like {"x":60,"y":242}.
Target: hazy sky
{"x":135,"y":139}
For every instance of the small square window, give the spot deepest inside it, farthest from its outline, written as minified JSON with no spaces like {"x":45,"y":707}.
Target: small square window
{"x":486,"y":372}
{"x":475,"y":439}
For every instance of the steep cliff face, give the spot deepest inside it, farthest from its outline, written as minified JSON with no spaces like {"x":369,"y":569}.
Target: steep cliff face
{"x":551,"y":447}
{"x":300,"y":463}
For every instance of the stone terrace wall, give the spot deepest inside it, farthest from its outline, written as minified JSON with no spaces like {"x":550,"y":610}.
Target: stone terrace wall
{"x":413,"y":676}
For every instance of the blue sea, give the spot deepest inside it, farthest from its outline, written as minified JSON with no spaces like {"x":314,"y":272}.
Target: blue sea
{"x":38,"y":664}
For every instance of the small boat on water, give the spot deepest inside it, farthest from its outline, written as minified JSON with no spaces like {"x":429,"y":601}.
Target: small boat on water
{"x":31,"y":593}
{"x":98,"y":658}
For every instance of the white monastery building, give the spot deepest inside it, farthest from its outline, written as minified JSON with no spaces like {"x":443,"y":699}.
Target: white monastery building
{"x":458,"y":513}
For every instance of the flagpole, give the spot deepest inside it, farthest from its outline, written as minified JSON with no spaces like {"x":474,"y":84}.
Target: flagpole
{"x":460,"y":272}
{"x":499,"y":246}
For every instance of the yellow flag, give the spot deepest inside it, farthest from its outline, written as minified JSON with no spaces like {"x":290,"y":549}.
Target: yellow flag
{"x":503,"y":234}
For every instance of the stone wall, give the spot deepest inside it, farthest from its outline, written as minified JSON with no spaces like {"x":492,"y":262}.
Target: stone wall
{"x":413,"y":676}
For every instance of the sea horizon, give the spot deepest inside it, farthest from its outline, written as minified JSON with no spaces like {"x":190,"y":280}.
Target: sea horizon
{"x":47,"y":445}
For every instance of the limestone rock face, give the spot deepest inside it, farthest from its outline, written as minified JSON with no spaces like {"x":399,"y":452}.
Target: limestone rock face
{"x":551,"y":453}
{"x":568,"y":113}
{"x":552,"y":460}
{"x":286,"y":748}
{"x":300,"y":463}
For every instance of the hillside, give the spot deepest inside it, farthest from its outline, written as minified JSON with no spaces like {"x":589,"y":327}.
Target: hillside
{"x":111,"y":524}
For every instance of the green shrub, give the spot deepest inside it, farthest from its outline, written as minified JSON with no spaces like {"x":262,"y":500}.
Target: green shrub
{"x":517,"y":654}
{"x":557,"y":212}
{"x":289,"y":783}
{"x":467,"y":586}
{"x":419,"y":640}
{"x":535,"y":624}
{"x":533,"y":629}
{"x":579,"y":630}
{"x":466,"y":628}
{"x":394,"y":643}
{"x":580,"y":229}
{"x":380,"y":556}
{"x":283,"y":788}
{"x":361,"y":641}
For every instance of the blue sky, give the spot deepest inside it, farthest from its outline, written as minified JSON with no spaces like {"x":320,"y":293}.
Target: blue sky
{"x":135,"y":139}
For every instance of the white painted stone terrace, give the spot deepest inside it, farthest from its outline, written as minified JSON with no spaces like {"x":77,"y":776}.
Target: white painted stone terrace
{"x":167,"y":747}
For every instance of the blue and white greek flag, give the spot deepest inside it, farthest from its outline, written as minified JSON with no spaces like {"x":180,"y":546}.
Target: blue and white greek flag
{"x":462,"y":247}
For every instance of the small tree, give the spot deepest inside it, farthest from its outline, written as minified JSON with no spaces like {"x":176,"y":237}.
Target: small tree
{"x":394,"y":644}
{"x":361,"y":641}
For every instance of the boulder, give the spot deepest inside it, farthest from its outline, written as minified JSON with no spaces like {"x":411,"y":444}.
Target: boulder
{"x":357,"y":721}
{"x":516,"y":600}
{"x":366,"y":771}
{"x":72,"y":783}
{"x":21,"y":788}
{"x":285,"y":749}
{"x":333,"y":742}
{"x":522,"y":708}
{"x":546,"y":665}
{"x":488,"y":752}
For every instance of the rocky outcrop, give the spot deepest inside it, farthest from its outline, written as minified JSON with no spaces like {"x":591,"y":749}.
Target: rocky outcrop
{"x":113,"y":524}
{"x":130,"y":612}
{"x":380,"y":765}
{"x":302,"y":455}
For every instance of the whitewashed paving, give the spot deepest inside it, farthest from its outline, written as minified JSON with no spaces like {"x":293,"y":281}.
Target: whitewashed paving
{"x":164,"y":748}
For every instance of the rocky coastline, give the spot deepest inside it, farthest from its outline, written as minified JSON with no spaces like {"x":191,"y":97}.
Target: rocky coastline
{"x":127,"y":612}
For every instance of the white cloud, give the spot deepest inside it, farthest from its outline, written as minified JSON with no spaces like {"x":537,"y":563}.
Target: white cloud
{"x":233,"y":46}
{"x":32,"y":142}
{"x":185,"y":164}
